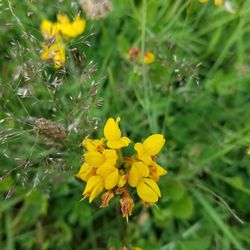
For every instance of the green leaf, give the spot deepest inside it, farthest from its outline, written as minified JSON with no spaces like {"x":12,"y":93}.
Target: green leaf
{"x":183,"y":208}
{"x":175,"y":190}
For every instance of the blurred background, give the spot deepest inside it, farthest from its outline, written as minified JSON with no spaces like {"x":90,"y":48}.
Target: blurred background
{"x":195,"y":92}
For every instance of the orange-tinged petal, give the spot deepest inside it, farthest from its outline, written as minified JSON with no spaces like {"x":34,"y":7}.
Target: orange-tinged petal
{"x":94,"y":158}
{"x":96,"y":191}
{"x":153,"y":144}
{"x":112,"y":131}
{"x":123,"y":180}
{"x":148,"y":190}
{"x":112,"y":179}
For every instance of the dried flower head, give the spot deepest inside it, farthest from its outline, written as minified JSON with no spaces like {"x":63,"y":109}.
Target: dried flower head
{"x":49,"y":129}
{"x":105,"y":169}
{"x":96,"y":9}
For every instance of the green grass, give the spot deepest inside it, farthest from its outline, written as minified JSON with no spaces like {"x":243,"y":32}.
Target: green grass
{"x":196,"y":93}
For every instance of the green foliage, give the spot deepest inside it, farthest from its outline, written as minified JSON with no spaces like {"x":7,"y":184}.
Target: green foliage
{"x":196,"y":93}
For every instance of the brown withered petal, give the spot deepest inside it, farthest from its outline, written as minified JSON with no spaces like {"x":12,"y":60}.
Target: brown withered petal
{"x":50,"y":129}
{"x":127,"y":205}
{"x":106,"y":197}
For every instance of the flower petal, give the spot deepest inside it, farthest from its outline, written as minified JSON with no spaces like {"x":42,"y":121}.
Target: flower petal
{"x":105,"y":169}
{"x":96,"y":191}
{"x":110,"y":156}
{"x":92,"y":182}
{"x":153,"y":144}
{"x":112,"y":179}
{"x":85,"y":172}
{"x":148,"y":190}
{"x":112,"y":131}
{"x":138,"y":171}
{"x":94,"y":158}
{"x":141,"y":154}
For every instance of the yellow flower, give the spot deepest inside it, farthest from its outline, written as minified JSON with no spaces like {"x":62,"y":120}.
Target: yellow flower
{"x":71,"y":29}
{"x":149,"y":58}
{"x":112,"y":133}
{"x":146,"y":188}
{"x":149,"y":148}
{"x":54,"y":52}
{"x":50,"y":30}
{"x":107,"y":177}
{"x":93,"y":144}
{"x":216,"y":2}
{"x":96,"y":159}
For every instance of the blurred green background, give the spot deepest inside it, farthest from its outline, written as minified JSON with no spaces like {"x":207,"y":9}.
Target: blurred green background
{"x":196,"y":93}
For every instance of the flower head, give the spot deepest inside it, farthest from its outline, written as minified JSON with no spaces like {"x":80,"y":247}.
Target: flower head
{"x":106,"y":171}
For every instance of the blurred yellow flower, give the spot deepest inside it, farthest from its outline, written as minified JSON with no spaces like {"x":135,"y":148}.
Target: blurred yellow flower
{"x":57,"y":33}
{"x":112,"y":133}
{"x":149,"y":148}
{"x":216,"y":2}
{"x":54,"y":52}
{"x":149,"y":58}
{"x":70,"y":29}
{"x":50,"y":30}
{"x":107,"y":171}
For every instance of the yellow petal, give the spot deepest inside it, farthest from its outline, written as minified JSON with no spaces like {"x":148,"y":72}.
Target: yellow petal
{"x":105,"y":170}
{"x":148,"y":190}
{"x":122,"y":180}
{"x":96,"y":191}
{"x":137,"y":171}
{"x":110,"y":156}
{"x":112,"y":179}
{"x":141,"y":154}
{"x":85,"y":172}
{"x":62,"y":19}
{"x":112,"y":131}
{"x":203,"y":1}
{"x":116,"y":144}
{"x":94,"y":158}
{"x":153,"y":144}
{"x":92,"y":182}
{"x":93,"y":144}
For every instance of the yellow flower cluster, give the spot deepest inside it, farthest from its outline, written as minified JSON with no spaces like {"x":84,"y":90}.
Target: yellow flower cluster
{"x":56,"y":34}
{"x":107,"y":171}
{"x":216,"y":2}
